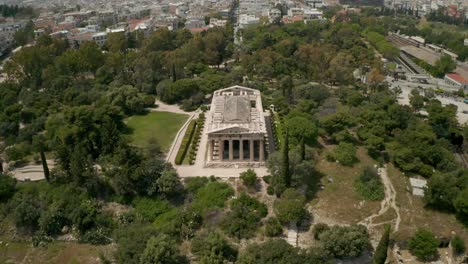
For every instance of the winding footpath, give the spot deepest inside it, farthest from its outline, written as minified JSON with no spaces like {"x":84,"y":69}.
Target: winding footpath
{"x":388,"y":202}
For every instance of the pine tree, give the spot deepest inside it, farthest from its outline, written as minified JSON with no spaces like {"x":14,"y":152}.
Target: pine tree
{"x":380,"y":255}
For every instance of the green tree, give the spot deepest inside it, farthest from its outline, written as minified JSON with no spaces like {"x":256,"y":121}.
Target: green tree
{"x":273,"y":227}
{"x":248,"y":177}
{"x":290,"y":206}
{"x":272,"y":251}
{"x":444,"y":65}
{"x":161,"y":249}
{"x":169,"y":183}
{"x":285,"y":160}
{"x":345,"y":153}
{"x":380,"y":254}
{"x":116,"y":42}
{"x":302,"y":131}
{"x":345,"y":241}
{"x":458,"y":245}
{"x":244,"y":218}
{"x":7,"y":186}
{"x":423,"y":245}
{"x":461,"y":205}
{"x":210,"y":244}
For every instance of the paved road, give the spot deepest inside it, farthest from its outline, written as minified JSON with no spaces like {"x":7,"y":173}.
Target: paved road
{"x":406,"y":88}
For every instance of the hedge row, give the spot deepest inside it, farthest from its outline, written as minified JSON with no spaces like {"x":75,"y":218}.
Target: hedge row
{"x":186,"y":142}
{"x":196,"y":138}
{"x":277,"y":123}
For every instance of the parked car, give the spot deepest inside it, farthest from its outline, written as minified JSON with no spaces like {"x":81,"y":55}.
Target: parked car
{"x":465,"y":101}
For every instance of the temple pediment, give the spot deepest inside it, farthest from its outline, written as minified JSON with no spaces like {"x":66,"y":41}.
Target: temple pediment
{"x":230,"y":130}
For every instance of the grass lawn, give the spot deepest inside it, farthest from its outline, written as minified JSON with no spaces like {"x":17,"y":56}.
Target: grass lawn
{"x":159,"y":126}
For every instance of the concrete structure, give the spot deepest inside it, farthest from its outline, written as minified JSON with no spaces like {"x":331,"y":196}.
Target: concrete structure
{"x":465,"y":42}
{"x":236,"y":128}
{"x":456,"y":80}
{"x":418,"y":186}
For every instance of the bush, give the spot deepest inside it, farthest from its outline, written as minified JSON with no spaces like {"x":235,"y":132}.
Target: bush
{"x":318,"y":229}
{"x":249,"y":178}
{"x":345,"y":153}
{"x":192,"y":184}
{"x":369,"y":185}
{"x":185,"y":142}
{"x":290,"y":207}
{"x":7,"y":187}
{"x":458,"y":245}
{"x":273,"y":227}
{"x":244,"y":218}
{"x":96,"y":237}
{"x":211,"y":196}
{"x":424,"y":245}
{"x":205,"y":244}
{"x":151,"y":208}
{"x":345,"y":241}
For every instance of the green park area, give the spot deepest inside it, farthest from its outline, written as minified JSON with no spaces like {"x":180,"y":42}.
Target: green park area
{"x":156,"y":126}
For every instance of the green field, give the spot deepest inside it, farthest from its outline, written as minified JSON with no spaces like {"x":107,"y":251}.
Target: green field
{"x":159,"y":126}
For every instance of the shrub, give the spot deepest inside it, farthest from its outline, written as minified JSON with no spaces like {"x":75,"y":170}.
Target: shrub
{"x":267,"y":179}
{"x":205,"y":244}
{"x":318,"y":229}
{"x":249,"y":178}
{"x":369,"y":185}
{"x":458,"y":245}
{"x":244,"y":218}
{"x":7,"y":187}
{"x":211,"y":196}
{"x":194,"y":183}
{"x":185,"y":142}
{"x":151,"y":208}
{"x":290,"y":207}
{"x":273,"y":227}
{"x":345,"y":153}
{"x":345,"y":241}
{"x":424,"y":245}
{"x":96,"y":237}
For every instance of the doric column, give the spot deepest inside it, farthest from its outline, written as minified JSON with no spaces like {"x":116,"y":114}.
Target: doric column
{"x":231,"y":150}
{"x":221,"y":149}
{"x":251,"y":150}
{"x":262,"y":158}
{"x":212,"y":143}
{"x":241,"y":150}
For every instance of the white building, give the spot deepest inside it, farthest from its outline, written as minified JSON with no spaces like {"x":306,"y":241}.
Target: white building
{"x":465,"y":42}
{"x":456,"y":80}
{"x":315,"y":3}
{"x":246,"y":20}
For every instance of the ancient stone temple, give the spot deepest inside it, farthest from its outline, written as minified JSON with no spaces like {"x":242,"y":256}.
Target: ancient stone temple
{"x":236,"y":127}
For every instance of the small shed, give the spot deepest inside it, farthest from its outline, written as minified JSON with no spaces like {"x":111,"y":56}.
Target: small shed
{"x":418,"y":186}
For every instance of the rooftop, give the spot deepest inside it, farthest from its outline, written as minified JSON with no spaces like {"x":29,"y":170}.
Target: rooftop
{"x":237,"y":107}
{"x":457,"y":77}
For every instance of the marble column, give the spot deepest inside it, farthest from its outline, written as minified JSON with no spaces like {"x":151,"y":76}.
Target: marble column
{"x":251,"y":149}
{"x":241,"y":150}
{"x":221,"y":149}
{"x":231,"y":150}
{"x":212,"y":143}
{"x":261,"y":158}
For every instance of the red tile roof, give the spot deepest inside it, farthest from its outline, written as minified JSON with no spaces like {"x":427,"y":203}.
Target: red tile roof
{"x":457,"y":77}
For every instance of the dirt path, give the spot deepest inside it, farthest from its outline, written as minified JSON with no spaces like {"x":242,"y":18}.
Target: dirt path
{"x":163,"y":107}
{"x":388,"y":202}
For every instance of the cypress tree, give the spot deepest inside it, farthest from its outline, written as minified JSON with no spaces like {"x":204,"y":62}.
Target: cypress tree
{"x":380,"y":255}
{"x":174,"y":75}
{"x":303,"y":149}
{"x":44,"y":164}
{"x":285,"y":168}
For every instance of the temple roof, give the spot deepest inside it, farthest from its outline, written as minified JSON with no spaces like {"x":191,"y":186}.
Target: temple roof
{"x":236,"y":108}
